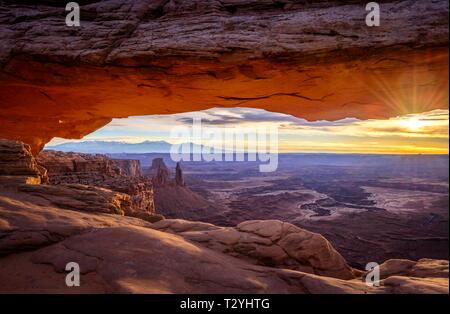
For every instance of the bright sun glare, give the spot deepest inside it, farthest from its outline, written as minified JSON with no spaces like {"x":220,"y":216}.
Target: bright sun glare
{"x":413,"y":123}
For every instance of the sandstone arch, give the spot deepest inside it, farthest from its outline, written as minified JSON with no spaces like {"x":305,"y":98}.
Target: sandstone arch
{"x":317,"y":61}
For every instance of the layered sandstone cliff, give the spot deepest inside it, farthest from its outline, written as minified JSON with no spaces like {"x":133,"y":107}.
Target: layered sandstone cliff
{"x":91,"y":183}
{"x":131,"y":168}
{"x":316,"y":60}
{"x":17,"y":164}
{"x":122,"y":176}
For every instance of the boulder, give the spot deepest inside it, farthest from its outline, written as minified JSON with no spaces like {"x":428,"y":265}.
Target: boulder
{"x":267,"y":242}
{"x":423,"y":268}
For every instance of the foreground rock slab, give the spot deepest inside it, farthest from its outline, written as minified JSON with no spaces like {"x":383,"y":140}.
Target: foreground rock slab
{"x":267,"y":242}
{"x":124,"y":254}
{"x":81,"y":197}
{"x":158,"y":262}
{"x":28,"y":222}
{"x":423,"y":268}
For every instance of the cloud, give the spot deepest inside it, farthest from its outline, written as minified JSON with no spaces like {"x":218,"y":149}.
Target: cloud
{"x":221,"y":117}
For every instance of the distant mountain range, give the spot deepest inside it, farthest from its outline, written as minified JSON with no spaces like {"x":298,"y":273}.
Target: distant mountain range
{"x":112,"y":147}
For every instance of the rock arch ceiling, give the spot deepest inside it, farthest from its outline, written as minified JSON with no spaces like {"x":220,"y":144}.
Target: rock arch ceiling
{"x":151,"y":57}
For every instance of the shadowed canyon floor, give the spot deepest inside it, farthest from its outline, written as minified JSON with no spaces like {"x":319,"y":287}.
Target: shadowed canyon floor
{"x":116,"y":253}
{"x":369,"y":207}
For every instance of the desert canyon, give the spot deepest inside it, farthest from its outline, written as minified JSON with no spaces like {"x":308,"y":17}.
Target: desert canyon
{"x":77,"y":210}
{"x":121,"y":222}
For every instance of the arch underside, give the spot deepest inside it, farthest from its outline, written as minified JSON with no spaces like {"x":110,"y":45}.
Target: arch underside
{"x":61,"y":82}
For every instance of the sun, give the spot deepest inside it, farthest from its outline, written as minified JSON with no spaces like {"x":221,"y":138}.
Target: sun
{"x":413,"y":123}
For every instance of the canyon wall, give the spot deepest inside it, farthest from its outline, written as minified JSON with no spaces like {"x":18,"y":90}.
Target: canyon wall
{"x":20,"y":172}
{"x":130,"y":167}
{"x":122,"y":176}
{"x":315,"y":60}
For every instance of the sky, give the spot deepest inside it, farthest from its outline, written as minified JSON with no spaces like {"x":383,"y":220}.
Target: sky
{"x":424,"y":133}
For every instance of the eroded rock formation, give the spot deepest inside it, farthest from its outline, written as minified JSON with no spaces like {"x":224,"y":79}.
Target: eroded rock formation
{"x":89,"y":183}
{"x":122,"y":176}
{"x":159,"y":172}
{"x":82,"y":197}
{"x":266,"y":242}
{"x":173,"y":198}
{"x":131,"y":168}
{"x":179,"y":179}
{"x":77,"y":168}
{"x":17,"y":164}
{"x":316,"y":60}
